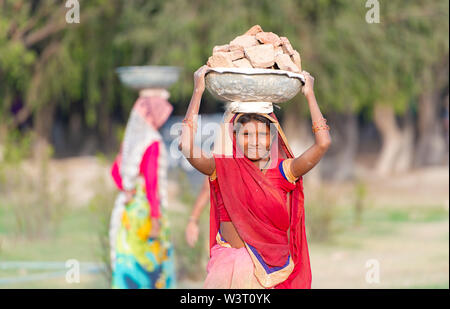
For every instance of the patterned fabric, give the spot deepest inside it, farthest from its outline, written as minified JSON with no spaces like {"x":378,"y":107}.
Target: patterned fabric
{"x":142,"y":262}
{"x":114,"y":226}
{"x":230,"y":268}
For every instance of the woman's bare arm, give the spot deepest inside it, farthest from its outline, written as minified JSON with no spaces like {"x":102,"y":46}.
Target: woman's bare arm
{"x":201,"y":201}
{"x":305,"y":162}
{"x":201,"y":161}
{"x":192,"y":229}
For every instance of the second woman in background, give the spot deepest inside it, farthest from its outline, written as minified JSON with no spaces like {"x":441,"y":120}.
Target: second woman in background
{"x":142,"y":250}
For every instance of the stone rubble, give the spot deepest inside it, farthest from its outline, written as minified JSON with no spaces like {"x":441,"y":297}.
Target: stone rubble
{"x":257,"y":49}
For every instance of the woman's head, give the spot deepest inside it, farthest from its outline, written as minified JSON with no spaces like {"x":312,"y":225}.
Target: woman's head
{"x":253,"y":136}
{"x":155,"y":110}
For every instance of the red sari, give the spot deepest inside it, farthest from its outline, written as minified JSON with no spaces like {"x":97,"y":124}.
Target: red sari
{"x":273,"y":231}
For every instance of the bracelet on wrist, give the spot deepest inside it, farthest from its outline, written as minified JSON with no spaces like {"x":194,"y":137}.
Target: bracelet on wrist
{"x":193,"y":219}
{"x":320,"y":124}
{"x":190,"y":123}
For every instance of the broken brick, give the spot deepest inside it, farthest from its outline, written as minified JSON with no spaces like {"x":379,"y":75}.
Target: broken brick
{"x":279,"y":51}
{"x":268,"y":38}
{"x":221,"y":48}
{"x":260,"y":56}
{"x":236,"y":47}
{"x":242,"y":63}
{"x":284,"y":62}
{"x":297,"y":60}
{"x":254,"y":30}
{"x":286,"y":45}
{"x":220,"y":59}
{"x":236,"y":54}
{"x":244,"y":41}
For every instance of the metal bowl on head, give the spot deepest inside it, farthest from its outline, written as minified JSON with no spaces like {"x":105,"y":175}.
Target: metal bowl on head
{"x":253,"y":85}
{"x":144,"y":77}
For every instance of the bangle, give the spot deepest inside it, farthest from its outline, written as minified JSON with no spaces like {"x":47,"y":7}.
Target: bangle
{"x":320,"y":121}
{"x":192,"y":219}
{"x":320,"y":124}
{"x":190,"y":123}
{"x":322,"y":127}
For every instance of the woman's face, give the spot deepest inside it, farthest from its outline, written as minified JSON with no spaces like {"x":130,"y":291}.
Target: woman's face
{"x":253,"y":138}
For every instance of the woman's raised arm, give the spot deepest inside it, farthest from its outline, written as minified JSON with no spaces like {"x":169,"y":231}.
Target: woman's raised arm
{"x":305,"y":162}
{"x":201,"y":161}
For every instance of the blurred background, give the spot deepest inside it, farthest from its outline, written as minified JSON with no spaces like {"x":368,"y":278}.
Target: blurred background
{"x":378,"y":201}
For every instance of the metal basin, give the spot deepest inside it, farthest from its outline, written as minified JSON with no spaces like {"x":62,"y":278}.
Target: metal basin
{"x":253,"y":85}
{"x":142,"y":77}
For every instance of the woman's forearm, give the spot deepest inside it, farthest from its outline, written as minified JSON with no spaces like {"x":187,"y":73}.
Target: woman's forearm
{"x":201,"y":201}
{"x":190,"y":124}
{"x":311,"y":157}
{"x":194,"y":104}
{"x":322,"y":137}
{"x":202,"y":162}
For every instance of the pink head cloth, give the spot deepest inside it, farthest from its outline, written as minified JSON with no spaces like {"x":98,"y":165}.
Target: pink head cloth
{"x":154,"y":109}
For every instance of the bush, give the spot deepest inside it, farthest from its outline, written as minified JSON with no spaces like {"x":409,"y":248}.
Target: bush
{"x":24,"y":186}
{"x":320,"y":216}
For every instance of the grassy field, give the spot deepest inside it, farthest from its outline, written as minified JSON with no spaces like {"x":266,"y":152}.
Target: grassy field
{"x":411,"y":247}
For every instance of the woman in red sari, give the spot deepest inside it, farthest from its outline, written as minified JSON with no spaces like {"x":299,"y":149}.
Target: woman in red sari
{"x":257,"y":222}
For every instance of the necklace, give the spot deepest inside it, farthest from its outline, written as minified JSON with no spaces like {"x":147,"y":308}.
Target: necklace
{"x":265,"y":165}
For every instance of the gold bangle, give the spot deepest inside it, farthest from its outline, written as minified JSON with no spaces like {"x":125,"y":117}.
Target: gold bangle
{"x":322,"y":127}
{"x":320,"y":121}
{"x":190,"y":123}
{"x":320,"y":124}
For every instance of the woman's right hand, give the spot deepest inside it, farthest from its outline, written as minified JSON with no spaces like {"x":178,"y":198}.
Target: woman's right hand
{"x":308,"y":88}
{"x":199,"y":77}
{"x":129,"y":195}
{"x":192,"y":233}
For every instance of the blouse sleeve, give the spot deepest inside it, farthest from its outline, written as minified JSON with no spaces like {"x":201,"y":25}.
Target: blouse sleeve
{"x":149,"y":170}
{"x":116,"y":174}
{"x":285,"y":169}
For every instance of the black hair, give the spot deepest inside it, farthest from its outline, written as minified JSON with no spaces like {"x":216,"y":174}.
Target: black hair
{"x":248,"y":117}
{"x":245,"y":118}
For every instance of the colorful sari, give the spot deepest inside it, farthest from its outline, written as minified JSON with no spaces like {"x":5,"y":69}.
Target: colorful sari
{"x":142,"y":262}
{"x":273,"y":231}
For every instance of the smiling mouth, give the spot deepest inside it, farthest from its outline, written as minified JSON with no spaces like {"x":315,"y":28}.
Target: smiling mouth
{"x":257,"y":151}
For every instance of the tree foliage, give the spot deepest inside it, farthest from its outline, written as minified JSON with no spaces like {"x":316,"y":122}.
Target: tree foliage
{"x":44,"y":60}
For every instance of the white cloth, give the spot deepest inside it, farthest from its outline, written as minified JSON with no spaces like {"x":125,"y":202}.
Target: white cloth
{"x":259,"y":71}
{"x":250,"y":107}
{"x":138,"y":136}
{"x":114,"y":225}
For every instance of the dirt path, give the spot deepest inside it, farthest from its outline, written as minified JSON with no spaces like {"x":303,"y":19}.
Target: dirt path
{"x":415,"y":256}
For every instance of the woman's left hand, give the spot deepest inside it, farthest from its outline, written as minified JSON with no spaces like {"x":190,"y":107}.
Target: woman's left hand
{"x":129,"y":195}
{"x":308,"y":88}
{"x":199,"y":77}
{"x":156,"y":228}
{"x":192,"y":232}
